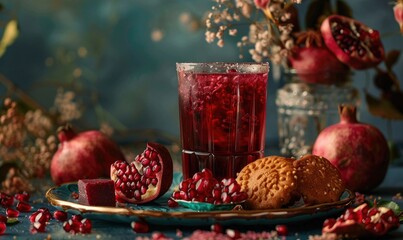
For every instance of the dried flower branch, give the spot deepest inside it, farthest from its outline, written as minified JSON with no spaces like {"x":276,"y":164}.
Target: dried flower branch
{"x":271,"y":24}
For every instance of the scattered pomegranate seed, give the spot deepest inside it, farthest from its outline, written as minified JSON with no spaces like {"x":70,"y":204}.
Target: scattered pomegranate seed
{"x":60,"y":215}
{"x":24,"y":207}
{"x":3,"y":227}
{"x":233,"y":234}
{"x":6,"y":200}
{"x":158,"y":236}
{"x":22,"y":197}
{"x":85,"y":226}
{"x":282,"y":230}
{"x":140,"y":227}
{"x":40,"y":217}
{"x":217,"y":228}
{"x":12,"y":213}
{"x":38,"y":227}
{"x":71,"y":226}
{"x":77,"y":217}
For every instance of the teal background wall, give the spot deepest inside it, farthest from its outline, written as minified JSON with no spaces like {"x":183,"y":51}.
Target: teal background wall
{"x":104,"y":51}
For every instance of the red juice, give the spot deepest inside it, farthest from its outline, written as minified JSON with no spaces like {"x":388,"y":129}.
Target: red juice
{"x":222,"y":117}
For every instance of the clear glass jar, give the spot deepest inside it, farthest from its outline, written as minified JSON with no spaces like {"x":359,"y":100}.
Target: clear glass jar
{"x":305,"y":109}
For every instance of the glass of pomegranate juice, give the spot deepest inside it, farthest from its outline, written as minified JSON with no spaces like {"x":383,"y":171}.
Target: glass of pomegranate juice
{"x":222,"y":111}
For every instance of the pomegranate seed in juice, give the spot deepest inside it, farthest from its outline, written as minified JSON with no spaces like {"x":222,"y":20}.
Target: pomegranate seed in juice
{"x":222,"y":118}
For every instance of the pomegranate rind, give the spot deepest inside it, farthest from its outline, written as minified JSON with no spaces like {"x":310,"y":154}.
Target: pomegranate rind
{"x":165,"y":176}
{"x":85,"y":155}
{"x":353,"y":60}
{"x":318,"y":65}
{"x":358,"y":225}
{"x":360,"y":151}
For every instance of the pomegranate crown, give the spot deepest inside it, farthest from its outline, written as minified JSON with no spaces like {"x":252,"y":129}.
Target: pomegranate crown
{"x":348,"y":113}
{"x":65,"y":133}
{"x":309,"y":38}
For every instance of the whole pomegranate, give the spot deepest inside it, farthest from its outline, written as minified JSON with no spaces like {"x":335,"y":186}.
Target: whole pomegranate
{"x":353,"y":43}
{"x":147,"y":178}
{"x":87,"y":154}
{"x":358,"y":150}
{"x":314,"y":63}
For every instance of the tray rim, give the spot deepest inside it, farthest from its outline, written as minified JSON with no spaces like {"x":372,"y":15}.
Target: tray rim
{"x":219,"y":215}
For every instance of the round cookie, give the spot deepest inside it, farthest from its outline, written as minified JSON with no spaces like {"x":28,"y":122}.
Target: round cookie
{"x":318,"y":181}
{"x":269,"y":182}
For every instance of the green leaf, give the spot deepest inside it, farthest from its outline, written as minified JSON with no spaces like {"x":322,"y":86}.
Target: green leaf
{"x":382,"y":108}
{"x":391,"y":205}
{"x":391,"y":58}
{"x":10,"y":34}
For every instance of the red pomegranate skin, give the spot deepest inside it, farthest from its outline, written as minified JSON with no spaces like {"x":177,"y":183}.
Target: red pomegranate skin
{"x":317,"y":64}
{"x":358,"y":150}
{"x":85,"y":155}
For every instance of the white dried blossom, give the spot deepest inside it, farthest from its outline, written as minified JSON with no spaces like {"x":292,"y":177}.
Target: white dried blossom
{"x":232,"y":32}
{"x":220,"y":43}
{"x":210,"y":36}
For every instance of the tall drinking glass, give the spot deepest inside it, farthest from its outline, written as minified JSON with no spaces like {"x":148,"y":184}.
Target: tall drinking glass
{"x":222,"y":110}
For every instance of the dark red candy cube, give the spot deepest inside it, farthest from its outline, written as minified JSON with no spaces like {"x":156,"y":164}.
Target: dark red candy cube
{"x":96,"y":192}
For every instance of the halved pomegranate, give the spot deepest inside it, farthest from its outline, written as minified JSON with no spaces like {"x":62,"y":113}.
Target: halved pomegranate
{"x":362,"y":221}
{"x":314,"y":62}
{"x":353,"y":43}
{"x":148,"y":177}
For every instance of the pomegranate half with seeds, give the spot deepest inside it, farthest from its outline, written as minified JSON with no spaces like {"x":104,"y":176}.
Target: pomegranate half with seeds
{"x":353,"y":43}
{"x":362,"y":221}
{"x":145,"y":179}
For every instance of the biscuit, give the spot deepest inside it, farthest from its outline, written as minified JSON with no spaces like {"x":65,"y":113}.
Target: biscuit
{"x":318,"y":181}
{"x":269,"y":182}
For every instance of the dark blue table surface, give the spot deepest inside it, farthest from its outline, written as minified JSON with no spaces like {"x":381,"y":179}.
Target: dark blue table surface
{"x":392,"y":184}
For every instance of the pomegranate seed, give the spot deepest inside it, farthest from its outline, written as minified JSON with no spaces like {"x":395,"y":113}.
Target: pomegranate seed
{"x":329,"y":222}
{"x":71,"y":226}
{"x":282,"y":230}
{"x":233,"y":234}
{"x":379,"y":228}
{"x":207,"y":173}
{"x":60,"y":215}
{"x":140,"y":227}
{"x":6,"y":200}
{"x":85,"y":226}
{"x":77,"y":217}
{"x":234,"y":188}
{"x":24,"y":207}
{"x":12,"y":213}
{"x":192,"y":194}
{"x":3,"y":227}
{"x":22,"y":197}
{"x":217,"y":228}
{"x":216,"y":193}
{"x":225,"y":197}
{"x":158,"y":236}
{"x":228,"y":181}
{"x":41,"y":217}
{"x":38,"y":227}
{"x":197,"y":176}
{"x":172,"y":203}
{"x":200,"y":185}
